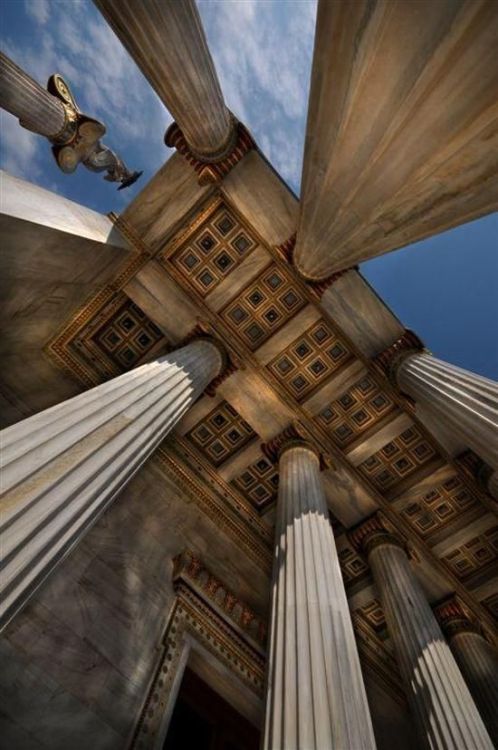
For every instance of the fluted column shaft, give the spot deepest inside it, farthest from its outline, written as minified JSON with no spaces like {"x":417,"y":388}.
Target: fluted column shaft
{"x":167,"y":41}
{"x":63,"y":466}
{"x":442,"y":706}
{"x":478,"y":662}
{"x":316,"y":698}
{"x":468,"y":402}
{"x":23,"y":97}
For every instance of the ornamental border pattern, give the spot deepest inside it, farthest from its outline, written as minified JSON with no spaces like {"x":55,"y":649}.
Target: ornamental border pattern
{"x":192,"y":614}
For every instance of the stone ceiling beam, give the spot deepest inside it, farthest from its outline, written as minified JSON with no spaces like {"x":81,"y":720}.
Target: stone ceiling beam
{"x":166,"y":40}
{"x":401,"y":125}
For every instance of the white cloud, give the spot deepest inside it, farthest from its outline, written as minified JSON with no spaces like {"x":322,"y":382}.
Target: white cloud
{"x":20,"y":148}
{"x":39,"y":10}
{"x":262,"y":52}
{"x":261,"y":49}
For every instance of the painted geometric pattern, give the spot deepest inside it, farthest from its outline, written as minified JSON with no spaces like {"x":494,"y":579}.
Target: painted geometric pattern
{"x":259,"y":482}
{"x":398,"y":459}
{"x":310,"y":360}
{"x":221,"y":433}
{"x":372,"y":613}
{"x":356,"y":411}
{"x":352,"y":565}
{"x":127,"y":336}
{"x":213,"y":251}
{"x":264,"y":306}
{"x":115,"y":339}
{"x":479,"y":552}
{"x":439,"y":506}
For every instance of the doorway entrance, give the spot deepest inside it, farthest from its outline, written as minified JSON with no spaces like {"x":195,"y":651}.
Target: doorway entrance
{"x":203,"y":720}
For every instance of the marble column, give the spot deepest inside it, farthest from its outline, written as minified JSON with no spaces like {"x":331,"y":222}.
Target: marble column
{"x":401,"y":138}
{"x":63,"y":466}
{"x":476,"y":657}
{"x":316,"y":698}
{"x":167,"y":42}
{"x":23,"y":97}
{"x":465,"y":401}
{"x":443,"y":709}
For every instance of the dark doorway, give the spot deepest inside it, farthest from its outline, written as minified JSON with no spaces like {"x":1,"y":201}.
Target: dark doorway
{"x":203,"y":720}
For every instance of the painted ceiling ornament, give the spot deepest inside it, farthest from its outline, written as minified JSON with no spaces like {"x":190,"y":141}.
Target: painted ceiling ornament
{"x":79,"y":141}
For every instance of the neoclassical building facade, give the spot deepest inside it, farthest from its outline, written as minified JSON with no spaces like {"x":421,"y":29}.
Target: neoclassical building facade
{"x":242,"y":504}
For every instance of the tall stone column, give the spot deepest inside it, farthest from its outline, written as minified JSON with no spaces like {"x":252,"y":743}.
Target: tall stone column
{"x":167,"y":42}
{"x":316,"y":698}
{"x":63,"y":466}
{"x":401,"y":136}
{"x":23,"y":97}
{"x":476,"y":657}
{"x":443,"y":709}
{"x":463,"y":400}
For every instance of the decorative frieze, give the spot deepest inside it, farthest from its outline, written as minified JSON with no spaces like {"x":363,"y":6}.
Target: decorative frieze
{"x":188,"y":567}
{"x":204,"y":611}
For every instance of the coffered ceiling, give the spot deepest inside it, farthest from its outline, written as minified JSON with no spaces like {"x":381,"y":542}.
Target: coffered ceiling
{"x":212,"y":256}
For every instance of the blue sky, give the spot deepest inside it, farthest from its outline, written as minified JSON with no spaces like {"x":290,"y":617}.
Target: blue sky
{"x":444,"y":287}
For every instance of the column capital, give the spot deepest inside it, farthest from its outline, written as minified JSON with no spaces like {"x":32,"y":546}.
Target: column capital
{"x":292,"y":437}
{"x":391,"y":358}
{"x":476,"y":468}
{"x":454,"y":618}
{"x":374,"y":532}
{"x":317,"y":286}
{"x":212,"y":168}
{"x":229,"y":362}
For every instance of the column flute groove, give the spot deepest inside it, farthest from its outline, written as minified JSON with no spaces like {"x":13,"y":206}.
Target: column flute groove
{"x":317,"y":700}
{"x":446,"y":716}
{"x":53,"y":495}
{"x":476,"y":657}
{"x":167,"y":42}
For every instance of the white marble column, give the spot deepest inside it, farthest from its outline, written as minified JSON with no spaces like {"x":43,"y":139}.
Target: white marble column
{"x":477,"y":659}
{"x":401,"y":138}
{"x":24,"y":98}
{"x":465,"y":401}
{"x":316,"y":698}
{"x":167,"y":42}
{"x":443,"y":709}
{"x":62,"y":467}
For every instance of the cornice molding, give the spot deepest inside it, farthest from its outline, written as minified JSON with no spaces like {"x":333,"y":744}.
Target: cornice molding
{"x":188,"y":567}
